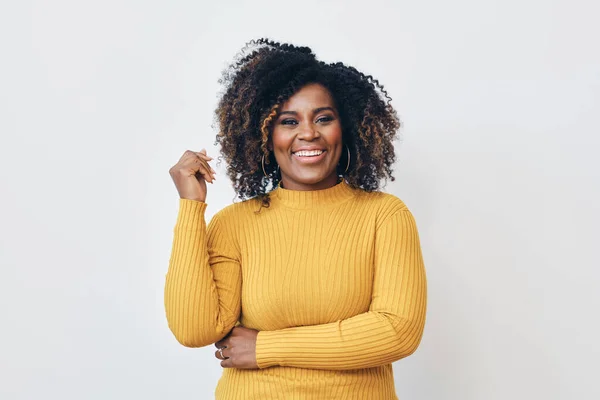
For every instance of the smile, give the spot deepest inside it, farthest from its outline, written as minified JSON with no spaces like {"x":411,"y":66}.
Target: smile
{"x":309,"y":156}
{"x":308,"y":153}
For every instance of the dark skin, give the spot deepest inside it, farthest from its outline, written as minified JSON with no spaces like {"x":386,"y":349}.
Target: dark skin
{"x":239,"y":349}
{"x":308,"y":121}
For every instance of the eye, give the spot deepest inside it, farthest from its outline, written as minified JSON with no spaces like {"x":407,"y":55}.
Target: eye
{"x":288,"y":121}
{"x":326,"y":118}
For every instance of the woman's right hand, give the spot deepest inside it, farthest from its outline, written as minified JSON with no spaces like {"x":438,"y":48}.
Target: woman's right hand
{"x":191,"y":173}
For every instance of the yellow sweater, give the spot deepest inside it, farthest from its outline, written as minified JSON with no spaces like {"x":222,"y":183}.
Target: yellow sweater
{"x":333,"y":279}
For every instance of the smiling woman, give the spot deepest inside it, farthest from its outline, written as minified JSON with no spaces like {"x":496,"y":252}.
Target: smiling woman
{"x":314,"y":284}
{"x":258,"y":90}
{"x":307,"y":139}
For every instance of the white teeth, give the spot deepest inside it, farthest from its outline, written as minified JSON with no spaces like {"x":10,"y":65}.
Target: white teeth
{"x":308,"y":153}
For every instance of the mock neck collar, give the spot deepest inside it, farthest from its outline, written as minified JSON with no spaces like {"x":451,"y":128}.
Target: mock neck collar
{"x":313,"y":198}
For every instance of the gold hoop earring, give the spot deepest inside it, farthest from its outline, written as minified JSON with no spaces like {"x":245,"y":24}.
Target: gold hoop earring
{"x":348,"y":165}
{"x":262,"y":162}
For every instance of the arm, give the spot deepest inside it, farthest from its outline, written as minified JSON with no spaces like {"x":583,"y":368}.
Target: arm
{"x":389,"y":331}
{"x":203,"y":283}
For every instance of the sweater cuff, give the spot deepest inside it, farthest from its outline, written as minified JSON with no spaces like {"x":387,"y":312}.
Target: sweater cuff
{"x":190,"y":215}
{"x":267,"y":345}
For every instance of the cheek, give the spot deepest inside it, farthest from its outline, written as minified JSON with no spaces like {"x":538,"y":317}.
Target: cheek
{"x":334,"y":135}
{"x":335,"y":138}
{"x":280,"y":141}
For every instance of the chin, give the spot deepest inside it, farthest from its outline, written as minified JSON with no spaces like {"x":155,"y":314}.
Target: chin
{"x":308,"y":177}
{"x":311,"y":179}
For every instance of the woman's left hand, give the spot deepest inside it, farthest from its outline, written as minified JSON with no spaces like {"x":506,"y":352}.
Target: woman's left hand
{"x":239,"y":349}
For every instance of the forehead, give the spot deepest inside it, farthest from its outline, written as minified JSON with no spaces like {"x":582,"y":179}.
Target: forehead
{"x":311,"y":96}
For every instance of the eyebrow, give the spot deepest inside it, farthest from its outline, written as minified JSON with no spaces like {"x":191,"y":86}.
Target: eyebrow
{"x":315,"y":111}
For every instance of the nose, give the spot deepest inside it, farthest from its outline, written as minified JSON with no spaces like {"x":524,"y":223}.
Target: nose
{"x":308,"y":132}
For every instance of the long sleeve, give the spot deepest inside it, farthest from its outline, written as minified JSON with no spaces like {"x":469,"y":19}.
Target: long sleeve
{"x":203,"y":282}
{"x":390,"y":330}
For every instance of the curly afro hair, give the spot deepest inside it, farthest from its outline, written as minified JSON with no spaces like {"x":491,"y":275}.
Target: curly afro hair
{"x":266,"y":74}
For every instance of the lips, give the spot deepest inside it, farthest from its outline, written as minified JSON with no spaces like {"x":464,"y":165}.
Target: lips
{"x":309,"y":156}
{"x":308,"y":153}
{"x":308,"y":150}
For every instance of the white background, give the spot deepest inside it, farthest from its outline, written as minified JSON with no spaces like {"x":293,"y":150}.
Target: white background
{"x":498,"y":162}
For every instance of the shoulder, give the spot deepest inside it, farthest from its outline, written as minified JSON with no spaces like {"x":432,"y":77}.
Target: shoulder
{"x":383,"y":204}
{"x":236,"y":212}
{"x":227,"y":223}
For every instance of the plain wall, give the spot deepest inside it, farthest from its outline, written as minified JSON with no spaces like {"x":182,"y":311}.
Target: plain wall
{"x":498,"y":162}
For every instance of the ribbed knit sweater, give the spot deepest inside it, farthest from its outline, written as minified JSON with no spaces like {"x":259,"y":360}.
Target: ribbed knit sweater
{"x":332,"y":279}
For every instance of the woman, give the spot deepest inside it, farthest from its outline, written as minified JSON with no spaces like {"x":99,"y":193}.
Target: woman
{"x":314,"y":284}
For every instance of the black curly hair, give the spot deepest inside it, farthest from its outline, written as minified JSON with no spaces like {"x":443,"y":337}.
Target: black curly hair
{"x":266,"y":74}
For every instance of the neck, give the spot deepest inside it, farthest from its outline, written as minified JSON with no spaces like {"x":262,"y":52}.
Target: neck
{"x":304,"y":199}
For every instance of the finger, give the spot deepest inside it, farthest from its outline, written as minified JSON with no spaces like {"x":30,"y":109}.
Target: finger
{"x":206,"y":159}
{"x":227,"y":363}
{"x":211,"y":169}
{"x":199,"y":171}
{"x":202,"y":173}
{"x":204,"y":155}
{"x":218,"y":355}
{"x":205,"y":172}
{"x":187,"y":154}
{"x":206,"y":166}
{"x":204,"y":163}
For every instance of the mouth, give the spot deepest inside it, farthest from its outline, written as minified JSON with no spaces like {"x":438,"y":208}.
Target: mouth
{"x":309,"y":156}
{"x":308,"y":153}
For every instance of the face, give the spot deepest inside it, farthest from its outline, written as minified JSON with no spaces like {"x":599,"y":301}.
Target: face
{"x":307,"y":139}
